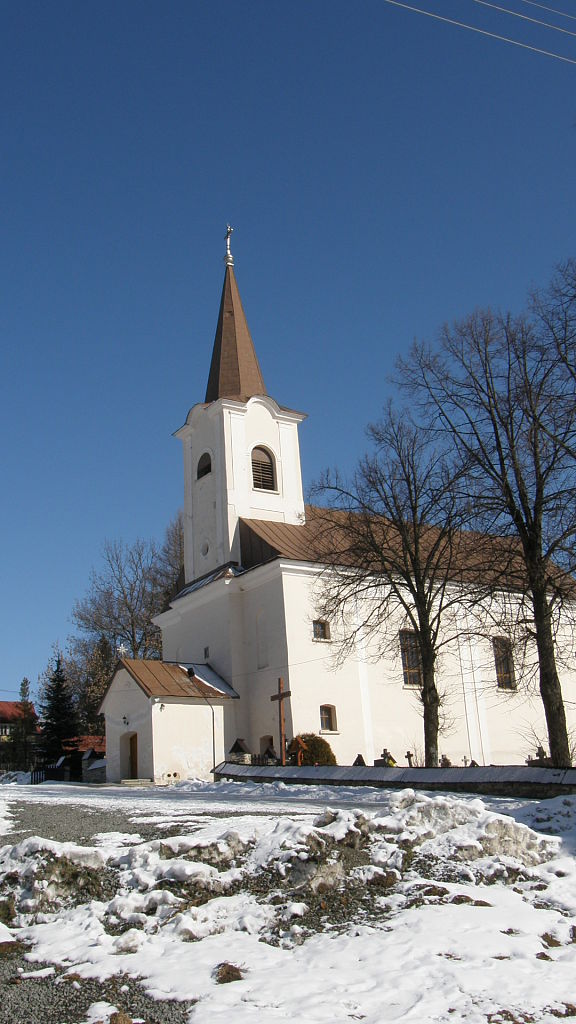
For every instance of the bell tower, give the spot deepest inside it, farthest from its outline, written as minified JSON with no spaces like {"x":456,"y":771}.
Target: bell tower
{"x":241,"y":450}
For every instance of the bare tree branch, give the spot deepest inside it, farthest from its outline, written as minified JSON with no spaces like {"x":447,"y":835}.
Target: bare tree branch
{"x":122,"y":598}
{"x":392,"y":557}
{"x":499,"y":396}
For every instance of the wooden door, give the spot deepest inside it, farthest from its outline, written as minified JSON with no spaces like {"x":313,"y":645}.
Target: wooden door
{"x":134,"y":756}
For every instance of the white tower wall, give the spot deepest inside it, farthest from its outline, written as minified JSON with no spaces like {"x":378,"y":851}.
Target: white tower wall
{"x":228,"y":431}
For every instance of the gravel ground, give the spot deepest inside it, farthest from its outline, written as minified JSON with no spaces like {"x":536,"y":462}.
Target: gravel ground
{"x":54,"y":999}
{"x":58,"y":1000}
{"x":73,"y":822}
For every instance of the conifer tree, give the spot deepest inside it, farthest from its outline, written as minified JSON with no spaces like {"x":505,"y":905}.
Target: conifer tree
{"x":59,"y":721}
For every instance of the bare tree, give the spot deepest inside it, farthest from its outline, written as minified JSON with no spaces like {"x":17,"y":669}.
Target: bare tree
{"x":135,"y":583}
{"x":495,"y":391}
{"x":89,"y":665}
{"x":554,"y":310}
{"x":122,"y":598}
{"x":554,"y":314}
{"x":170,"y":561}
{"x":394,"y":553}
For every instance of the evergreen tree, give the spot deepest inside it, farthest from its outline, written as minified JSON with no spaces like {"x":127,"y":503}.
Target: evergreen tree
{"x":59,"y":721}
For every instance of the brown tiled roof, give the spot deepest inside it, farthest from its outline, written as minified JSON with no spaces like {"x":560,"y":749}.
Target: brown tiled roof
{"x":234,"y":370}
{"x":323,"y":539}
{"x":164,"y":679}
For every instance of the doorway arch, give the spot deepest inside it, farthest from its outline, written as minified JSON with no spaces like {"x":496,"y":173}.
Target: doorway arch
{"x":129,"y":755}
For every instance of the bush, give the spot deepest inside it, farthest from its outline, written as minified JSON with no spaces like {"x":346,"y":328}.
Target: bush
{"x":318,"y":750}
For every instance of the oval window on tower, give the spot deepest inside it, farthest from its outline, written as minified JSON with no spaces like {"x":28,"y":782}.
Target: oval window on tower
{"x":263,"y":470}
{"x":204,"y":466}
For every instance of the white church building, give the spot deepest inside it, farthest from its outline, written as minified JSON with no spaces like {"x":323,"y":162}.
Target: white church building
{"x":248,"y":617}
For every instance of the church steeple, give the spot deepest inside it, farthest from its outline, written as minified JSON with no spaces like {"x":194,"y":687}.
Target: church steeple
{"x":234,"y":370}
{"x":241,"y":451}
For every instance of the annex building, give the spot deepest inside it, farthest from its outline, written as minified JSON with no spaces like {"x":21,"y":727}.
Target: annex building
{"x":248,"y":616}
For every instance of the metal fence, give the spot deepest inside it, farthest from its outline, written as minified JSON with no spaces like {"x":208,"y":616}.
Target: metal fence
{"x":49,"y":772}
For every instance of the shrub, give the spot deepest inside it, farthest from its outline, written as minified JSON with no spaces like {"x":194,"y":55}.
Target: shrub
{"x":318,"y":750}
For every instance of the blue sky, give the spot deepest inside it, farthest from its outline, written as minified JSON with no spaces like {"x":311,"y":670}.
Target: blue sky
{"x":384,"y":172}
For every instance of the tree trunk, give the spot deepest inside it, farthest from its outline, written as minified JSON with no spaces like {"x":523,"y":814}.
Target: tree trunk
{"x":550,"y":689}
{"x":431,"y":705}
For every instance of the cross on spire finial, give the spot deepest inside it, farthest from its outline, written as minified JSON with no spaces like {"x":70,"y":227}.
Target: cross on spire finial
{"x":228,"y":259}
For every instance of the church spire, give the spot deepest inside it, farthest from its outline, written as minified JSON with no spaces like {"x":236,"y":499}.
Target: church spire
{"x":234,"y":370}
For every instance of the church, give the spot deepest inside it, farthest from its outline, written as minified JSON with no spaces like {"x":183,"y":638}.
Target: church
{"x":245,"y":625}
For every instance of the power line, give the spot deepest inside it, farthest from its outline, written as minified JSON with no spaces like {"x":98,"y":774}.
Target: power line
{"x":481,"y":31}
{"x":550,"y":10}
{"x":534,"y":21}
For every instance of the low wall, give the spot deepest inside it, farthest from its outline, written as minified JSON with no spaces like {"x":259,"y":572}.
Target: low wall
{"x":496,"y":780}
{"x":94,"y":771}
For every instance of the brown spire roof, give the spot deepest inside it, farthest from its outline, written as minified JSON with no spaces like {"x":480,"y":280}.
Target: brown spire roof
{"x":234,"y":370}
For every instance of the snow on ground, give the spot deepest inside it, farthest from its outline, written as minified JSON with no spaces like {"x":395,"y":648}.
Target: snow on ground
{"x":333,"y":904}
{"x":5,"y":817}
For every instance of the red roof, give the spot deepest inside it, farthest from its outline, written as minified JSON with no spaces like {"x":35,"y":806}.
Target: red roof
{"x":12,"y":710}
{"x":83,"y":743}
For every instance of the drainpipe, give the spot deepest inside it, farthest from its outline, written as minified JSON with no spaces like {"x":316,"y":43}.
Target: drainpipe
{"x":213,"y":734}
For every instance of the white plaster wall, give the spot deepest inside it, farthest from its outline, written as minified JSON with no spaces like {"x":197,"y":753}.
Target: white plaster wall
{"x":508,"y":725}
{"x":183,"y":739}
{"x":261,"y":423}
{"x":265,"y":424}
{"x":125,"y":699}
{"x":259,"y":633}
{"x":375,"y":710}
{"x":314,"y":680}
{"x":515,"y":720}
{"x":225,"y":618}
{"x":229,"y":431}
{"x":206,"y":540}
{"x":402,"y":729}
{"x":259,"y":627}
{"x":199,"y":621}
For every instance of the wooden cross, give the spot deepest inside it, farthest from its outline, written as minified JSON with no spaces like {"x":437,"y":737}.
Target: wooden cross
{"x":281,"y":697}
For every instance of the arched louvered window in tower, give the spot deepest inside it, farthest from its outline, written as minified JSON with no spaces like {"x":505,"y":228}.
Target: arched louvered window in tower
{"x":263,"y":470}
{"x":204,"y":466}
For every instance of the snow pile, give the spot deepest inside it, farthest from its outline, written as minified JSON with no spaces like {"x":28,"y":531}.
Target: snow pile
{"x":407,"y":908}
{"x":15,"y":779}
